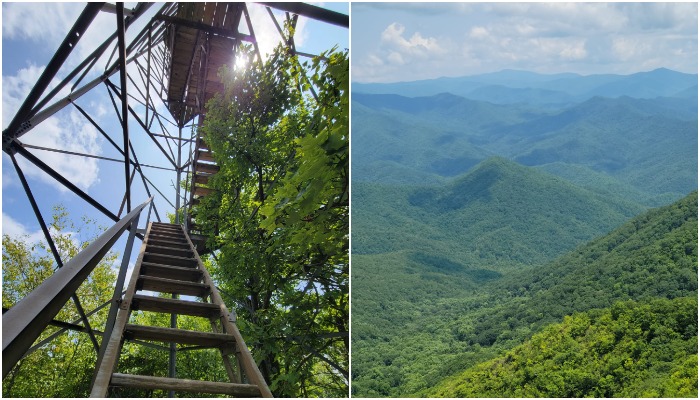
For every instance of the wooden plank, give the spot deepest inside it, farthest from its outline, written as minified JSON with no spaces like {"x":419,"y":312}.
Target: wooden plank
{"x":174,"y":306}
{"x":202,"y":191}
{"x":171,"y":251}
{"x":164,"y":285}
{"x":208,"y":14}
{"x":171,"y":231}
{"x":167,"y":235}
{"x":169,"y":228}
{"x":201,"y":179}
{"x":169,"y":260}
{"x":159,"y":241}
{"x":166,"y":225}
{"x":219,"y":14}
{"x":185,"y":385}
{"x":181,"y":336}
{"x":165,"y":271}
{"x":207,"y":168}
{"x":205,"y":156}
{"x":168,"y":238}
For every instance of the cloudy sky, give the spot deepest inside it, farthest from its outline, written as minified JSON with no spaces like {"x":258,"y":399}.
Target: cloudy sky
{"x":411,"y":41}
{"x":31,"y":33}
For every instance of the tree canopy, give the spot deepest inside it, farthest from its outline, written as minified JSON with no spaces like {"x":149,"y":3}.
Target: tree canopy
{"x":63,"y":367}
{"x":278,"y":219}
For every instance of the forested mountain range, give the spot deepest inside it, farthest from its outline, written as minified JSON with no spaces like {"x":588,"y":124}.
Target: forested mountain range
{"x":475,"y":223}
{"x":648,"y":147}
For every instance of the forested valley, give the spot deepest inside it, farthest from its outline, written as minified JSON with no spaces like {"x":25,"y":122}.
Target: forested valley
{"x":517,"y":234}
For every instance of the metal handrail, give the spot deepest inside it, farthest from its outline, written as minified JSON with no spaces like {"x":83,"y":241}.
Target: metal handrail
{"x":23,"y":323}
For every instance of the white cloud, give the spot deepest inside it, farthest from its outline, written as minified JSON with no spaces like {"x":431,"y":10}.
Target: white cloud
{"x":543,"y":37}
{"x":396,"y":58}
{"x":416,"y":46}
{"x":66,"y":130}
{"x":16,"y":230}
{"x":39,"y":22}
{"x":66,"y":133}
{"x":15,"y":89}
{"x":478,"y":32}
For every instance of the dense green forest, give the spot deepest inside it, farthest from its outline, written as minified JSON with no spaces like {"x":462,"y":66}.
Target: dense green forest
{"x":628,"y":350}
{"x":439,"y":321}
{"x":496,"y":206}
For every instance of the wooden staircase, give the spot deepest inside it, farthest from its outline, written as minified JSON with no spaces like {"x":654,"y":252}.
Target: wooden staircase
{"x":168,"y":263}
{"x":203,"y":168}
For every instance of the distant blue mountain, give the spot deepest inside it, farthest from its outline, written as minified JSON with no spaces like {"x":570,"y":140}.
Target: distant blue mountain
{"x":644,"y":146}
{"x":515,"y":87}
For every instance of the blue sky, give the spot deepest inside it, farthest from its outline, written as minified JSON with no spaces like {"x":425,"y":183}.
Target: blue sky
{"x":394,"y":42}
{"x":27,"y":48}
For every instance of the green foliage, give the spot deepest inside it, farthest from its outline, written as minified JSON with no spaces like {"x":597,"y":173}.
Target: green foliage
{"x":629,"y":350}
{"x":499,"y":214}
{"x":64,"y":366}
{"x":419,"y":317}
{"x":279,"y":217}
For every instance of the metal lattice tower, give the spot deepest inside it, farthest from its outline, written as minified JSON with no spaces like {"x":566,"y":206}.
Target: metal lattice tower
{"x":158,"y":80}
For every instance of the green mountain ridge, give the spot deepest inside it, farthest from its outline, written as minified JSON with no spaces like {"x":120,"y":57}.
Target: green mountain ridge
{"x":646,"y":146}
{"x":628,"y":350}
{"x":499,"y":213}
{"x":414,"y":324}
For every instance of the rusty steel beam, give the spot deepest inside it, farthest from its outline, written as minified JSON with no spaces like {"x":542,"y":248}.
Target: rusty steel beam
{"x":121,"y":31}
{"x":313,"y":12}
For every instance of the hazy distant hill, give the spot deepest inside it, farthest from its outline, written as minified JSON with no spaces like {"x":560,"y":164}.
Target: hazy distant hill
{"x":648,"y":145}
{"x":510,"y":86}
{"x":499,"y":213}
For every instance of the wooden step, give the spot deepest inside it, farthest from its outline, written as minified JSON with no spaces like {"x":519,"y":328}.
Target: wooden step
{"x":173,"y":237}
{"x":176,"y":286}
{"x":179,"y":251}
{"x":202,"y":191}
{"x":165,"y":224}
{"x":165,"y":227}
{"x":173,"y":306}
{"x":184,"y":385}
{"x":206,"y":168}
{"x":201,"y":179}
{"x":205,"y":156}
{"x":168,"y":238}
{"x":169,"y":260}
{"x":159,"y":241}
{"x":173,"y":335}
{"x":168,"y":272}
{"x":166,"y":231}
